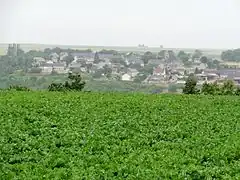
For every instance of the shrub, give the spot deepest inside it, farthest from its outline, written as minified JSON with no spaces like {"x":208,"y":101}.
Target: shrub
{"x":190,"y":85}
{"x":228,"y":88}
{"x":75,"y":83}
{"x":19,"y":88}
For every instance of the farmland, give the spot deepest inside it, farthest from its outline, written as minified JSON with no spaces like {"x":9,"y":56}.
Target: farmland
{"x":114,"y":136}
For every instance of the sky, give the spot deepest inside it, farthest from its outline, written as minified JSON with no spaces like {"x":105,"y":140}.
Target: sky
{"x":171,"y":23}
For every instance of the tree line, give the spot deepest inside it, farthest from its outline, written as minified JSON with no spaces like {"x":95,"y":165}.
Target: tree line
{"x":227,"y":88}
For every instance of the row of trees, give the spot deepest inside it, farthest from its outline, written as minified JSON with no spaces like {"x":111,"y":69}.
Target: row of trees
{"x":231,"y":55}
{"x":227,"y":88}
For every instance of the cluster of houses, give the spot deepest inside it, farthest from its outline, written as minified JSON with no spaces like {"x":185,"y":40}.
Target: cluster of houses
{"x":130,"y":65}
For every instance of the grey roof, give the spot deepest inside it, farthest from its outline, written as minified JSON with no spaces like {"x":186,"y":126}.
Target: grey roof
{"x":154,"y":61}
{"x":230,"y":73}
{"x":47,"y":65}
{"x":75,"y":65}
{"x":58,"y":65}
{"x":84,"y":54}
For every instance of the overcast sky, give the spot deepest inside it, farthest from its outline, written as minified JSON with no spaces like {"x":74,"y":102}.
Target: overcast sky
{"x":171,"y":23}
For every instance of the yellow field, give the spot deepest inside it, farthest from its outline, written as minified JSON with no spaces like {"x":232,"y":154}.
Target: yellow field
{"x":2,"y":51}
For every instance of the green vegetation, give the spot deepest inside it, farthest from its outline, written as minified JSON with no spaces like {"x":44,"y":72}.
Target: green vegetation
{"x":231,"y":55}
{"x":190,"y":85}
{"x":74,"y":83}
{"x":54,"y":135}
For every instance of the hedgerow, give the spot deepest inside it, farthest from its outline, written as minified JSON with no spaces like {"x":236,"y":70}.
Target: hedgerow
{"x":54,"y":135}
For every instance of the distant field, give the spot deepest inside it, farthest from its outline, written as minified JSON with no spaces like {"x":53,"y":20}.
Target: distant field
{"x":2,"y":51}
{"x":118,"y":136}
{"x":27,"y":47}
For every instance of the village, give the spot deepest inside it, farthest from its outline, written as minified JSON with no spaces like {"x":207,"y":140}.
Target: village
{"x":162,"y":68}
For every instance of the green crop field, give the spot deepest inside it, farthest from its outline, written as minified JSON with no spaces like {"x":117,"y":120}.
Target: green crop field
{"x":118,"y":136}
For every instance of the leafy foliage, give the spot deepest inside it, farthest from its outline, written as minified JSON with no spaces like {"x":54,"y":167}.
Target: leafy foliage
{"x":231,"y":55}
{"x":75,"y":83}
{"x":228,"y":88}
{"x":18,"y":88}
{"x":190,"y":85}
{"x":52,"y":135}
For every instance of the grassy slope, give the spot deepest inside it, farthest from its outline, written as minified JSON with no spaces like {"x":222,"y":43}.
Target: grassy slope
{"x":76,"y":135}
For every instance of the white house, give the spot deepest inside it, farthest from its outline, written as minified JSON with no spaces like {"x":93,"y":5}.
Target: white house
{"x":126,"y":77}
{"x":133,"y":72}
{"x":60,"y":68}
{"x":46,"y":68}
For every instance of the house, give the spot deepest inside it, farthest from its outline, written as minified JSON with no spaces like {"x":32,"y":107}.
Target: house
{"x":116,"y":67}
{"x":158,"y":71}
{"x":49,"y":62}
{"x":200,"y":66}
{"x":229,"y":73}
{"x":212,"y":71}
{"x":59,"y":68}
{"x":76,"y":67}
{"x":207,"y":77}
{"x":154,"y":62}
{"x":154,"y":79}
{"x":88,"y":55}
{"x":230,"y":64}
{"x":133,"y":59}
{"x":103,"y":55}
{"x":126,"y":77}
{"x":132,"y":72}
{"x":89,"y":60}
{"x":46,"y":68}
{"x":180,"y":71}
{"x":101,"y":65}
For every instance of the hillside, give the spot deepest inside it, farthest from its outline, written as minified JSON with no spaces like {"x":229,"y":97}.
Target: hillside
{"x":116,"y":136}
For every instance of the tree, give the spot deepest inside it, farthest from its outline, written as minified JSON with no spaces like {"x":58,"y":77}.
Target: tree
{"x":197,"y":71}
{"x":97,"y":74}
{"x":211,"y":89}
{"x":231,"y":55}
{"x":47,"y":51}
{"x":74,"y":83}
{"x":204,"y":59}
{"x":107,"y":71}
{"x":197,"y":54}
{"x":190,"y":85}
{"x":184,"y":57}
{"x":147,"y":56}
{"x":69,"y":59}
{"x":139,"y":78}
{"x":57,"y":50}
{"x":96,"y":58}
{"x":228,"y":88}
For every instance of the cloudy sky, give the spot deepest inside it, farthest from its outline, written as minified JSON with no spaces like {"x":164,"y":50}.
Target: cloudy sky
{"x":172,"y":23}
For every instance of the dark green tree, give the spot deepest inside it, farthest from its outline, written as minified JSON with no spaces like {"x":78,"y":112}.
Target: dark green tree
{"x":96,"y":58}
{"x":228,"y":88}
{"x":69,"y":59}
{"x":197,"y":54}
{"x":204,"y":59}
{"x":190,"y":85}
{"x":74,"y":83}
